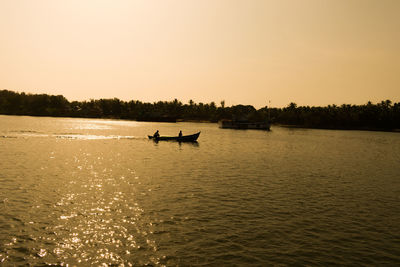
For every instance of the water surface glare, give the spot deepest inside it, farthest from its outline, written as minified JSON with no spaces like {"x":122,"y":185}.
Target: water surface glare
{"x":95,"y":192}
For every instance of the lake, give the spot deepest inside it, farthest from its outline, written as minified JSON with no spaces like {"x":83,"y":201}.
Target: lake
{"x":95,"y":192}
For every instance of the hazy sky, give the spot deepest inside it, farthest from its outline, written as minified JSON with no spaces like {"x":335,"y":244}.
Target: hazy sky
{"x":312,"y":52}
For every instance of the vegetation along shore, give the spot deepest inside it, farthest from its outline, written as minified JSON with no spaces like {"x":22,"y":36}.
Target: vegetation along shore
{"x":381,"y":116}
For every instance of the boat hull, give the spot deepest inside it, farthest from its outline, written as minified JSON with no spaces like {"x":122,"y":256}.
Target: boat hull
{"x":185,"y":138}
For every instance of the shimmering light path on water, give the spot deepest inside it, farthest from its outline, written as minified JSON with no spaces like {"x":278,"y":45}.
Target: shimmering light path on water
{"x":81,"y":192}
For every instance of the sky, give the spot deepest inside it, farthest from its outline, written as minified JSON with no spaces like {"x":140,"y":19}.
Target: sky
{"x":311,"y":52}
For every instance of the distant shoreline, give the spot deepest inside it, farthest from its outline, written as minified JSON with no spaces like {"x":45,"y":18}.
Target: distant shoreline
{"x":339,"y":129}
{"x":203,"y":121}
{"x":383,"y":116}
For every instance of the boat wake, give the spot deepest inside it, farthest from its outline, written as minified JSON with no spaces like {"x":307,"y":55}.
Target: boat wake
{"x":74,"y":136}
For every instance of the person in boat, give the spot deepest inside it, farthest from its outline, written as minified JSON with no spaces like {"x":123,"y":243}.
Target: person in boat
{"x":180,"y":134}
{"x":156,"y":134}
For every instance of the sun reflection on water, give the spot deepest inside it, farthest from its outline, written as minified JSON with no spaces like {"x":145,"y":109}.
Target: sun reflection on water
{"x":99,"y":124}
{"x":96,"y":219}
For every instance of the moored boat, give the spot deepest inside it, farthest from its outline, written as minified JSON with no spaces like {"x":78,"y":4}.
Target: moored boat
{"x":232,"y":124}
{"x":184,"y":138}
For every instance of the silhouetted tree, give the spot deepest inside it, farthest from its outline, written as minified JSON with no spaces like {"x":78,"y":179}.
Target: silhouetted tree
{"x":383,"y":116}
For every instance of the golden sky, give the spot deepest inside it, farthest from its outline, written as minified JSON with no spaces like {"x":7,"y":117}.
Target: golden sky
{"x":312,"y":52}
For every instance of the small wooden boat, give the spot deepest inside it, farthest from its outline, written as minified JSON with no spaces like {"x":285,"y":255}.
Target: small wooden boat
{"x":184,"y":138}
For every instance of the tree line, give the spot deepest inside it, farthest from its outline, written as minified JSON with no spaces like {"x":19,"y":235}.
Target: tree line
{"x":381,"y":116}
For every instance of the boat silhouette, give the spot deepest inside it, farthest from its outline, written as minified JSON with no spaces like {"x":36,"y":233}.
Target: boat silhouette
{"x":184,"y":138}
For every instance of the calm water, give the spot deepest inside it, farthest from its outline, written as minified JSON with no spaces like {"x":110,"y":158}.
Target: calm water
{"x":93,"y":192}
